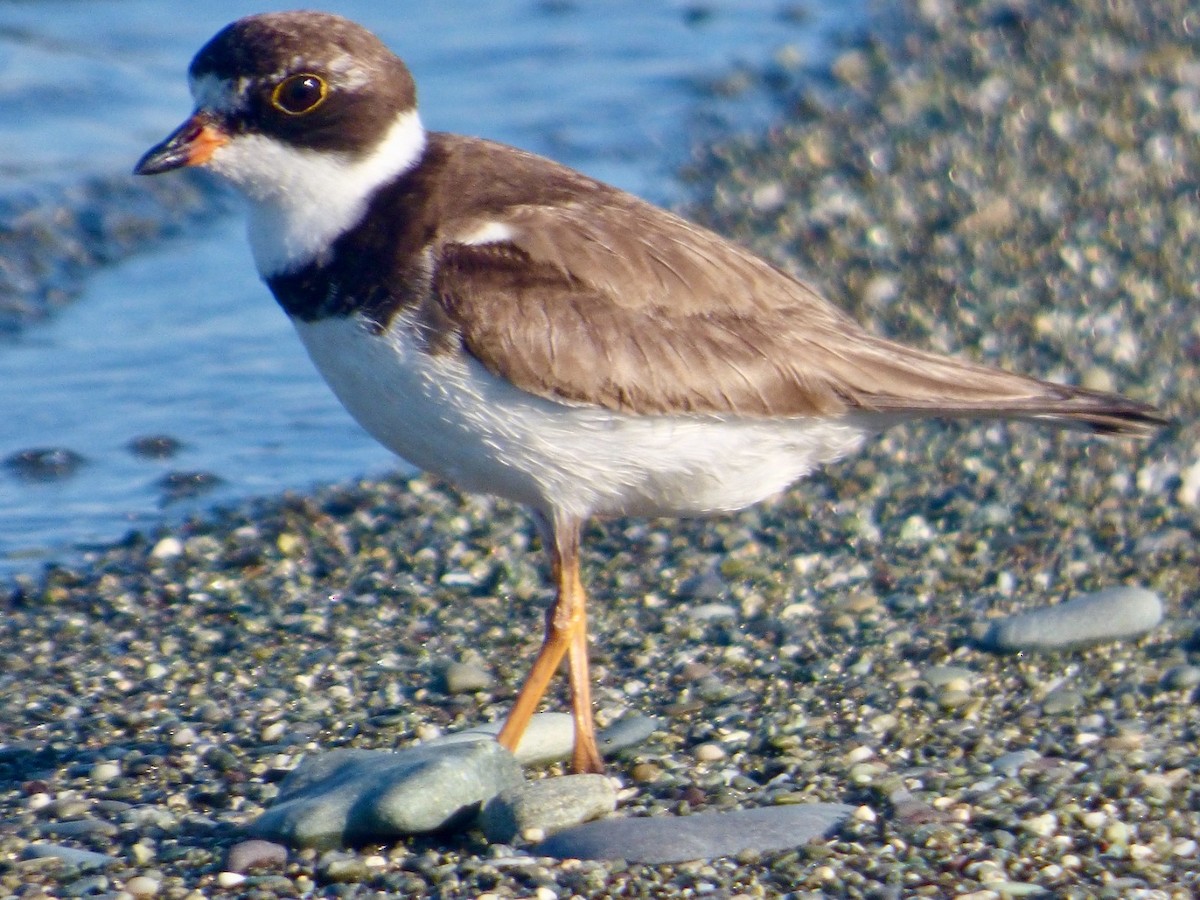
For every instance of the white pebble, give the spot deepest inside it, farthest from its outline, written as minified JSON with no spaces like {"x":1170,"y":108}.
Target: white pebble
{"x":167,"y":548}
{"x":709,"y":752}
{"x":142,"y":886}
{"x":1043,"y":825}
{"x":230,"y":879}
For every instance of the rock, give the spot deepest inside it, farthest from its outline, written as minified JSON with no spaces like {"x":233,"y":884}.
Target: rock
{"x":79,"y":828}
{"x":626,"y":732}
{"x":547,"y":806}
{"x":44,"y":463}
{"x":83,"y":859}
{"x":255,"y":854}
{"x":1181,"y":678}
{"x":463,"y":678}
{"x":549,"y":738}
{"x":1061,"y":701}
{"x":1110,"y":614}
{"x":949,"y":677}
{"x":669,"y":839}
{"x":349,"y":797}
{"x":1011,"y":763}
{"x":142,"y":886}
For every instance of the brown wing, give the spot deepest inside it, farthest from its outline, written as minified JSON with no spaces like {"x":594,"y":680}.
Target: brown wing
{"x":616,"y":303}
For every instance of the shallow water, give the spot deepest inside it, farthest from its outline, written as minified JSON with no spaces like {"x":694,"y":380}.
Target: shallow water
{"x":180,"y":338}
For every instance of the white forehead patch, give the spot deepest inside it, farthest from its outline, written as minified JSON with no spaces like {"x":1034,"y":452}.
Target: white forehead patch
{"x":219,"y":94}
{"x":347,"y":73}
{"x":225,"y":95}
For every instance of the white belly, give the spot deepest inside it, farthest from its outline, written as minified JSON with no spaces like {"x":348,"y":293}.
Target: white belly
{"x":448,"y":415}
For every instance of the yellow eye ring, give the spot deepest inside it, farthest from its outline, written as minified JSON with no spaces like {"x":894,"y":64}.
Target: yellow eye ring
{"x":299,"y":94}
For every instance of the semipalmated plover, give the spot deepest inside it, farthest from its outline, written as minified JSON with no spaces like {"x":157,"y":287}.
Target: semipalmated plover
{"x":521,"y":329}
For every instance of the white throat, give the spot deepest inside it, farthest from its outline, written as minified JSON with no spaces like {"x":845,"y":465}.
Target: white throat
{"x":302,"y":200}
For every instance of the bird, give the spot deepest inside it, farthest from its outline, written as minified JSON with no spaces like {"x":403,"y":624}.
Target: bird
{"x":520,"y":329}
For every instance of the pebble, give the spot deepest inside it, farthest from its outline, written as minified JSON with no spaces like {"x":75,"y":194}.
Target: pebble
{"x":709,"y":752}
{"x":628,"y":731}
{"x":143,"y":886}
{"x":912,"y":157}
{"x":949,"y":677}
{"x":549,"y":738}
{"x":255,"y":854}
{"x":548,"y":806}
{"x":155,"y":446}
{"x":79,"y":828}
{"x":176,"y":486}
{"x":347,"y":797}
{"x":1181,"y":678}
{"x":1060,"y":701}
{"x":1111,"y":614}
{"x":463,"y":678}
{"x":712,"y":612}
{"x":1011,"y":763}
{"x":83,"y":859}
{"x":169,"y":547}
{"x":671,"y":839}
{"x":105,"y":771}
{"x":44,"y":463}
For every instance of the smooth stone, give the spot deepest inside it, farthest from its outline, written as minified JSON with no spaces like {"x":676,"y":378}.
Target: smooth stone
{"x":549,"y":738}
{"x":548,"y":806}
{"x":705,"y":587}
{"x":79,"y":828}
{"x":88,"y":886}
{"x":1011,"y":763}
{"x":72,"y":856}
{"x":1110,"y":614}
{"x":1061,"y":701}
{"x":463,"y":678}
{"x":944,"y":676}
{"x":1181,"y":678}
{"x":712,"y":612}
{"x":142,"y":886}
{"x":671,"y":839}
{"x":626,"y":732}
{"x":342,"y":867}
{"x":349,"y":797}
{"x":255,"y":854}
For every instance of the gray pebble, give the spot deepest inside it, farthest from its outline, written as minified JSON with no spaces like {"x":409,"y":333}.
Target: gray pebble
{"x":85,"y":887}
{"x":668,"y":839}
{"x":255,"y":854}
{"x":1110,"y":614}
{"x":79,"y":828}
{"x":357,"y":796}
{"x":1060,"y":701}
{"x":708,"y":586}
{"x":83,"y":859}
{"x":1181,"y":678}
{"x":549,"y":738}
{"x":343,"y":868}
{"x":463,"y":678}
{"x":1010,"y":763}
{"x":941,"y":676}
{"x":626,"y":732}
{"x":548,"y":806}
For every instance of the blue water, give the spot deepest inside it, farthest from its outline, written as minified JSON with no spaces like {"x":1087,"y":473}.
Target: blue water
{"x":181,"y":339}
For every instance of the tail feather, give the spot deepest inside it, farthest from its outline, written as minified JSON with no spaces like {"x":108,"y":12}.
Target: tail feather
{"x":913,"y":382}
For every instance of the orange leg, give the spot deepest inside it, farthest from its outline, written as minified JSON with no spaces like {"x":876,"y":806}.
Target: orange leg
{"x":566,"y":635}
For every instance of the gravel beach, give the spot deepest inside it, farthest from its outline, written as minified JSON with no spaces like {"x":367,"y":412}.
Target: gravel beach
{"x":1014,"y":182}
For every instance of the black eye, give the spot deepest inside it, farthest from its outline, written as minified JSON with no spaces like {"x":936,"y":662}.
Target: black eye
{"x":299,"y":94}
